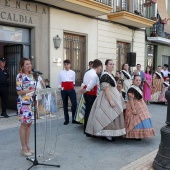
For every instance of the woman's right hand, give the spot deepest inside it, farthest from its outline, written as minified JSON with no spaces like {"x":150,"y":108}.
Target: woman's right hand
{"x":112,"y":104}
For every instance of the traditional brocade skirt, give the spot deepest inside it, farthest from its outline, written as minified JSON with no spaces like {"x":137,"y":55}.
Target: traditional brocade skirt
{"x":139,"y":125}
{"x":80,"y":111}
{"x":162,"y":95}
{"x":157,"y":90}
{"x":105,"y":120}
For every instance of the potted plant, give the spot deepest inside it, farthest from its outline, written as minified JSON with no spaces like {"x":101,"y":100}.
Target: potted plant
{"x":164,"y":21}
{"x":154,"y":34}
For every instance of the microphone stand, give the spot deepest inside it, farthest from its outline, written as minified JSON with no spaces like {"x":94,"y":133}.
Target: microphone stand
{"x":35,"y":161}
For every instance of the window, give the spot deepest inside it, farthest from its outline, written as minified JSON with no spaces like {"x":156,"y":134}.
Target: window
{"x":75,"y":51}
{"x":122,"y":50}
{"x":20,"y":35}
{"x":150,"y":60}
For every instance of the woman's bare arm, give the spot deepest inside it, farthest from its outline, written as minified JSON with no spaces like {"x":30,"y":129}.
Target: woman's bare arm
{"x":22,"y":92}
{"x":43,"y":84}
{"x":109,"y":97}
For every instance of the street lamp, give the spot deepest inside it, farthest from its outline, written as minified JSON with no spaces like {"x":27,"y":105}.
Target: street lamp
{"x":57,"y":41}
{"x":162,"y":159}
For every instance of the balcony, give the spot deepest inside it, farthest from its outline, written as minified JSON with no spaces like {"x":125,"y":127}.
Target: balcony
{"x":131,"y":13}
{"x":158,"y":35}
{"x":88,"y":7}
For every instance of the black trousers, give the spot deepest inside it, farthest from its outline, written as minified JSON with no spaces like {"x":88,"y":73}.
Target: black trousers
{"x":89,"y":99}
{"x":72,"y":95}
{"x":4,"y":97}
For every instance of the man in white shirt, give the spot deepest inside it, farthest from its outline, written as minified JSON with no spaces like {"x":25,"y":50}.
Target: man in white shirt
{"x":66,"y":81}
{"x":165,"y":71}
{"x":90,"y":87}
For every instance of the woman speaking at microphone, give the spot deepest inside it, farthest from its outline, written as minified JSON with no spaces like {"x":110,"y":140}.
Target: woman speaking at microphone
{"x":25,"y":83}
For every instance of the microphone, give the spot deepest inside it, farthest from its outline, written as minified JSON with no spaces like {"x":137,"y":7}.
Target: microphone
{"x":36,"y":72}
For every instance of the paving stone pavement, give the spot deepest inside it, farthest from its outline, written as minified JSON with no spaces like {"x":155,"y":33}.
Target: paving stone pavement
{"x":74,"y":151}
{"x":143,"y":163}
{"x":13,"y":120}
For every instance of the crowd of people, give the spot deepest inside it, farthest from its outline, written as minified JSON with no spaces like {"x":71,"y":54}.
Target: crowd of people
{"x":110,"y":105}
{"x":113,"y":105}
{"x":118,"y":109}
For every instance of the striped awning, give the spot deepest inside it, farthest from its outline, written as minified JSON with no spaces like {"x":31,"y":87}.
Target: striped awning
{"x":164,"y":14}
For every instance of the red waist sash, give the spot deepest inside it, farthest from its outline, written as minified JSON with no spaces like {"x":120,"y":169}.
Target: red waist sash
{"x":93,"y":92}
{"x":165,"y":78}
{"x":68,"y":85}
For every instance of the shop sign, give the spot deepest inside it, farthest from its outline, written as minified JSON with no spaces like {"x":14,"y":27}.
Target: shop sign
{"x":15,"y":17}
{"x":20,"y":18}
{"x":32,"y":7}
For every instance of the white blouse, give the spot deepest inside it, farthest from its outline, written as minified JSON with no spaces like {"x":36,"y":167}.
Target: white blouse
{"x":90,"y":80}
{"x":65,"y":76}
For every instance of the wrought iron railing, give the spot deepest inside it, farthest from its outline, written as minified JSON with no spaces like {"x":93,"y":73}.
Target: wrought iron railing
{"x":138,"y":7}
{"x":106,"y":2}
{"x":144,"y":8}
{"x":133,"y":6}
{"x":158,"y":31}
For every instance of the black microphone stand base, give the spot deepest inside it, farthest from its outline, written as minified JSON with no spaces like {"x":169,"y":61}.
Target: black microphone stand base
{"x":36,"y":163}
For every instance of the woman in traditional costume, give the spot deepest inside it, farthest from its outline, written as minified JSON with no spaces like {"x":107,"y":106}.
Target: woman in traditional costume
{"x":106,"y":117}
{"x":164,"y":89}
{"x":125,"y":75}
{"x":147,"y":85}
{"x":157,"y":84}
{"x":137,"y":118}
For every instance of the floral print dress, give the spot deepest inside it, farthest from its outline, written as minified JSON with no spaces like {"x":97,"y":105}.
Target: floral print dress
{"x":24,"y":103}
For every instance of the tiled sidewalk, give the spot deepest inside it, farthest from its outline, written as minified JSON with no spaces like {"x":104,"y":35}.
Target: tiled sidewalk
{"x":144,"y":163}
{"x":12,"y":121}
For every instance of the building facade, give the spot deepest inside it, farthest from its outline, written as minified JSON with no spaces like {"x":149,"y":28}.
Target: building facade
{"x":158,"y":36}
{"x":88,"y":30}
{"x":21,"y":35}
